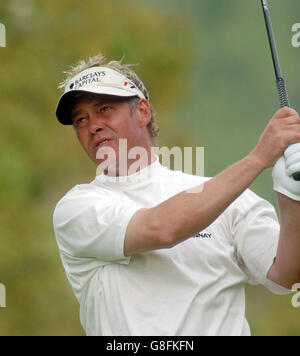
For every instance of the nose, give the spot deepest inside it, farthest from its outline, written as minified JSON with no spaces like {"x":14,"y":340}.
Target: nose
{"x":96,"y":124}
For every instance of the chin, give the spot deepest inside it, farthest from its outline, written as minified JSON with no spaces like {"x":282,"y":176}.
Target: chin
{"x":106,"y":166}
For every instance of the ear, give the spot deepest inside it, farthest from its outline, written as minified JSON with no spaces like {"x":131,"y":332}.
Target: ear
{"x":144,"y":112}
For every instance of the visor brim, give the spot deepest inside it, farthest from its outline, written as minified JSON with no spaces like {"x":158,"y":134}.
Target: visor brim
{"x":63,"y":107}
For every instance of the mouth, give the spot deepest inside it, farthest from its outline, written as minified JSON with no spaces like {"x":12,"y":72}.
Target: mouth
{"x":101,"y":142}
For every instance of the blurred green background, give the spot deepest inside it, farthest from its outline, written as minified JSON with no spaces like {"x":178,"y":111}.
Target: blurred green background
{"x":208,"y":68}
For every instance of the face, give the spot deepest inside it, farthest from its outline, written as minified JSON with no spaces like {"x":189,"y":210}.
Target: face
{"x":100,"y":122}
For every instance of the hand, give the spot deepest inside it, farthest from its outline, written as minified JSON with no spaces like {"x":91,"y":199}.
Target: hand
{"x":283,"y":183}
{"x":282,"y":131}
{"x":292,"y":159}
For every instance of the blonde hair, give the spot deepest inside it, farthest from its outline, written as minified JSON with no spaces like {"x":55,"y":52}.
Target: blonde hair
{"x":100,"y":60}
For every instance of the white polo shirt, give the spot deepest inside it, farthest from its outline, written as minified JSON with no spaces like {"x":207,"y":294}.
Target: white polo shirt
{"x":194,"y":288}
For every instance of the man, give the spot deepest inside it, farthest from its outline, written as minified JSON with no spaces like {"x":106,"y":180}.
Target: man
{"x":150,"y":251}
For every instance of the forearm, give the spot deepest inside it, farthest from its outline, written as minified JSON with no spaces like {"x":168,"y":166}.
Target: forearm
{"x":187,"y":213}
{"x":286,"y":268}
{"x":190,"y":212}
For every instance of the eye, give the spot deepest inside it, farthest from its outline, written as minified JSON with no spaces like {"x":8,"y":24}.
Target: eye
{"x":105,"y":108}
{"x":80,"y":122}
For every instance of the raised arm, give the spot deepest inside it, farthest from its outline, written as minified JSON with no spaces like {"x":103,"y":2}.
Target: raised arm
{"x":162,"y":226}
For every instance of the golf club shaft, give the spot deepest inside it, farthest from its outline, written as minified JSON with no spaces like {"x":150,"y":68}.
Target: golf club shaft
{"x":282,"y":92}
{"x":281,"y":88}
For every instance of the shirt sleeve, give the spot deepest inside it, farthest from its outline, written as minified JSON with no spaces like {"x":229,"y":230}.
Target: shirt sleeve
{"x":256,"y":234}
{"x":93,"y":225}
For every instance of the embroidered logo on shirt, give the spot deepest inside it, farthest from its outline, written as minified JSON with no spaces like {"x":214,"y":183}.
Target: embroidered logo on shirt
{"x":203,"y":235}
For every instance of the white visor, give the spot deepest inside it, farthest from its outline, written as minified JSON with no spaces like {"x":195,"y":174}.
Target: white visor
{"x":97,"y":80}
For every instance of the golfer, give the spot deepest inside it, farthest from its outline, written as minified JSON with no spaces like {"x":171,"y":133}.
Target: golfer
{"x":151,"y":251}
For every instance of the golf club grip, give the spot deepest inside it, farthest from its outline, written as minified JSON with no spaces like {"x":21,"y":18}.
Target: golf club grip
{"x":282,"y":93}
{"x":284,"y":101}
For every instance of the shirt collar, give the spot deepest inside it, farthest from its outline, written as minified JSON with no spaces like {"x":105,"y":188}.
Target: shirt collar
{"x":143,"y":176}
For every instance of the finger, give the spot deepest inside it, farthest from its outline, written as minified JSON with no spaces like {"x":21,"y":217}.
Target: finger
{"x":285,"y":112}
{"x":291,"y":120}
{"x":292,"y":135}
{"x":284,"y":124}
